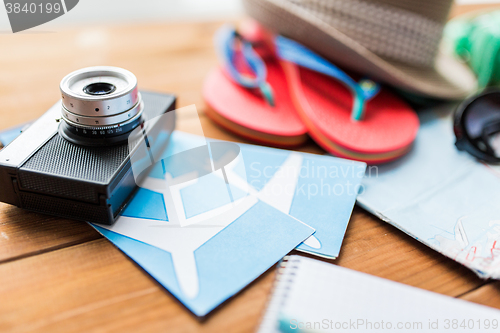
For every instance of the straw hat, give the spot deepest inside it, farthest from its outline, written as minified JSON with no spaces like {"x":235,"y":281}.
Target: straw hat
{"x":393,"y":41}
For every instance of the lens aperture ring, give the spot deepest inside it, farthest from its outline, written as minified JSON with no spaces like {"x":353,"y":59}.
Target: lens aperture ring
{"x":78,"y":120}
{"x":101,"y":132}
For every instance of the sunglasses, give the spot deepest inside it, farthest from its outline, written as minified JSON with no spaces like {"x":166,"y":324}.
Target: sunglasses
{"x":477,"y":126}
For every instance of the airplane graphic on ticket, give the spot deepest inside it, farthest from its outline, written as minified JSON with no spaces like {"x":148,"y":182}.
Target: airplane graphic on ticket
{"x":212,"y":216}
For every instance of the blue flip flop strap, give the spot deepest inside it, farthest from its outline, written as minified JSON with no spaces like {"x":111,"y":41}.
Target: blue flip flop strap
{"x":226,"y":40}
{"x":289,"y":50}
{"x":296,"y":53}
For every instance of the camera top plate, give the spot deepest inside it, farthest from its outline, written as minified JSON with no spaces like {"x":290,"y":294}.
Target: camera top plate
{"x":35,"y":136}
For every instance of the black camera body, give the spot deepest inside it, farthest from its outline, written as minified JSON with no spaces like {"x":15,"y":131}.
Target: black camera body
{"x":43,"y":172}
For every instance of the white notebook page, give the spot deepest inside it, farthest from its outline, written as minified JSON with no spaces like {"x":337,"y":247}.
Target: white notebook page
{"x":314,"y":296}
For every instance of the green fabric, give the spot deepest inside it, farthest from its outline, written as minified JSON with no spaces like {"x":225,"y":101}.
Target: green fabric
{"x":476,"y":40}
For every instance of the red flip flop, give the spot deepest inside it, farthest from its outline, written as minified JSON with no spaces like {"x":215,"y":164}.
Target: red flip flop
{"x":386,"y":132}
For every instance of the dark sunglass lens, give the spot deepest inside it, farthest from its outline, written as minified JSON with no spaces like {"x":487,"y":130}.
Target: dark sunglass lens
{"x":482,"y":123}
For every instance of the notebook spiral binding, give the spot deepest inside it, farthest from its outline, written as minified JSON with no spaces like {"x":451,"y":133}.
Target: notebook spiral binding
{"x":285,"y":277}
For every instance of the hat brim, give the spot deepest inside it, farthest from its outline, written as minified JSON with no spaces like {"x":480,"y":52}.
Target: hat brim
{"x":447,"y":79}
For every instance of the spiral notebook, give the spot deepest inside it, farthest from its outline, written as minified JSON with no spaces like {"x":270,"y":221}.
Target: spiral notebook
{"x":314,"y":296}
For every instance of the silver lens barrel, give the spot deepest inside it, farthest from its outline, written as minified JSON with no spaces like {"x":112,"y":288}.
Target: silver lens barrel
{"x":81,"y":94}
{"x":100,"y":105}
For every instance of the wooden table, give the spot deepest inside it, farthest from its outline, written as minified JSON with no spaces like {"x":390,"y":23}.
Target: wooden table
{"x":61,"y":275}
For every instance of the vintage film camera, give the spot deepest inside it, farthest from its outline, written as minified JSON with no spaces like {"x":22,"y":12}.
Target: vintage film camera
{"x":75,"y":160}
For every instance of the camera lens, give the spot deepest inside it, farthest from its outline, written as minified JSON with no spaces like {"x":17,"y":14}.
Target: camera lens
{"x":99,"y":88}
{"x":100,"y":106}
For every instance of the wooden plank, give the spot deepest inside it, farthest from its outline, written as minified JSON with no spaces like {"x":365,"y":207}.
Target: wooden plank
{"x":488,"y":295}
{"x":24,"y":233}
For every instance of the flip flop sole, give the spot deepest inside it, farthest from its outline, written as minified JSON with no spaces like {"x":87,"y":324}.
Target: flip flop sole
{"x":258,"y":137}
{"x":245,"y":112}
{"x":370,"y":159}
